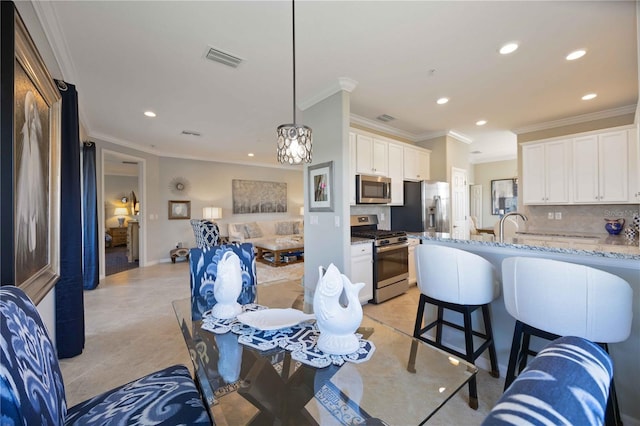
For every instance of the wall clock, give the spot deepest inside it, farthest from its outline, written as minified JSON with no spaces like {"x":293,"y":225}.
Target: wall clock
{"x":179,"y":185}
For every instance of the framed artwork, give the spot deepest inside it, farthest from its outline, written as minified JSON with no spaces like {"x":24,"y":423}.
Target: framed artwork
{"x":179,"y":209}
{"x":30,"y":163}
{"x":504,"y":196}
{"x":321,"y":187}
{"x":255,"y":196}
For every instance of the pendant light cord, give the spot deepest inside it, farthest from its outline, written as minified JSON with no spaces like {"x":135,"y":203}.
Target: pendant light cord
{"x":293,"y":19}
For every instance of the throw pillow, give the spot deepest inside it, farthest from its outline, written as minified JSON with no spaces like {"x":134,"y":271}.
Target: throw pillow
{"x":298,"y":227}
{"x":284,"y":228}
{"x":253,"y":230}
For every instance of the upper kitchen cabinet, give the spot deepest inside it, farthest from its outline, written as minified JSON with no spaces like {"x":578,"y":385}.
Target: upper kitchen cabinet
{"x":545,"y":172}
{"x":600,"y":168}
{"x":416,"y":163}
{"x":396,"y":172}
{"x":372,"y":156}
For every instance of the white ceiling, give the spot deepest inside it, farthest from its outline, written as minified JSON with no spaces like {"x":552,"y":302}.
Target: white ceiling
{"x":129,"y":57}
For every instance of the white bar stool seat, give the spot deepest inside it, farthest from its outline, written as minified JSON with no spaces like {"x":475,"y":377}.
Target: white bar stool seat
{"x":550,"y":298}
{"x":462,"y":282}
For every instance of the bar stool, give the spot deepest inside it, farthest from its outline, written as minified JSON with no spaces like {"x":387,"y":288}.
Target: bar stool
{"x":550,"y":298}
{"x":462,"y":282}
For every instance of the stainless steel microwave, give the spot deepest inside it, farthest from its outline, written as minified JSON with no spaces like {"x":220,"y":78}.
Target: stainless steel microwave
{"x":373,"y":189}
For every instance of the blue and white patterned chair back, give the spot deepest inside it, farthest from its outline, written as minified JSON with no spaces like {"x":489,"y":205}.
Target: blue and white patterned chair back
{"x":203,"y":263}
{"x":206,"y":232}
{"x":31,"y":386}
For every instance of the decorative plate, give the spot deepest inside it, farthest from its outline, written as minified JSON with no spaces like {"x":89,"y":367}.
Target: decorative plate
{"x":273,"y":319}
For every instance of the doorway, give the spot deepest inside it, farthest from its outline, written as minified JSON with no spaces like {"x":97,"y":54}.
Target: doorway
{"x":122,"y":195}
{"x":459,"y":203}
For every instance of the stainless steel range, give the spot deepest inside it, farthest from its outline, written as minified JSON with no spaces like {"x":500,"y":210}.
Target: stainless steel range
{"x":390,"y":257}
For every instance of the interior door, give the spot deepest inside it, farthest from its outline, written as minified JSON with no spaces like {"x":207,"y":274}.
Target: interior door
{"x":459,"y":203}
{"x":475,"y":204}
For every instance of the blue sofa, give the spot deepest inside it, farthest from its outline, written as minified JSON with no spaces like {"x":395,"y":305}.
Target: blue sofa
{"x":566,"y":383}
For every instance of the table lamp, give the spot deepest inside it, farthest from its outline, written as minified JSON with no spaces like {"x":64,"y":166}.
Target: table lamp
{"x":121,"y":212}
{"x":212,"y":213}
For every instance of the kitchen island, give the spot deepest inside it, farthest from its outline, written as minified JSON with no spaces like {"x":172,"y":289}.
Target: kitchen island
{"x":625,"y":265}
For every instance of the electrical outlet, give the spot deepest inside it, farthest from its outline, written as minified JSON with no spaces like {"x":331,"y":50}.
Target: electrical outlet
{"x":550,"y":215}
{"x":558,"y":215}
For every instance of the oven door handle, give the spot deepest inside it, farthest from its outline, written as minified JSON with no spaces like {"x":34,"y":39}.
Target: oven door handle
{"x":391,"y":247}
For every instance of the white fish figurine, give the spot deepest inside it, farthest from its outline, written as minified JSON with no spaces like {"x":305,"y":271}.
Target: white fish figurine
{"x":227,"y":287}
{"x":337,"y":323}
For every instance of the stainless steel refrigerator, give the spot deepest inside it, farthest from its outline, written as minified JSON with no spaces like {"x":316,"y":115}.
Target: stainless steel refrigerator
{"x":426,"y":208}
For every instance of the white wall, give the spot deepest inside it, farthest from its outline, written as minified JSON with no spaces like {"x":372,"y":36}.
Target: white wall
{"x":328,"y":240}
{"x":484,"y":173}
{"x":208,"y":183}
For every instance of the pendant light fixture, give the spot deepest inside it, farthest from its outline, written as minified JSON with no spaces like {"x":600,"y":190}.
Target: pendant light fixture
{"x":294,"y":142}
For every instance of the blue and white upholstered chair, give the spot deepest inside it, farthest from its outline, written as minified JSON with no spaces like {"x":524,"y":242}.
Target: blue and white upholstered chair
{"x":206,"y":232}
{"x":567,"y":383}
{"x":203,"y":264}
{"x":32,"y":390}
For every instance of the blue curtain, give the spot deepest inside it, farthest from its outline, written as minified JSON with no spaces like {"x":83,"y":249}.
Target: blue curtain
{"x":69,"y":294}
{"x":91,"y":257}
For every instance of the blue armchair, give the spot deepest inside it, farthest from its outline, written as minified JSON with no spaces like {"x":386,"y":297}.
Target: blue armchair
{"x":206,"y":232}
{"x":203,"y":263}
{"x":32,"y":390}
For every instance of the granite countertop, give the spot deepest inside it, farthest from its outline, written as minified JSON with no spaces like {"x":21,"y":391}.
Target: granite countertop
{"x":605,"y":245}
{"x":358,"y":240}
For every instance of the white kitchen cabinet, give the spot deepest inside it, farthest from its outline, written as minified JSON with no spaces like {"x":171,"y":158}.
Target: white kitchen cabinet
{"x":416,"y":163}
{"x":545,"y":172}
{"x":352,"y":168}
{"x":600,"y":168}
{"x":362,"y":269}
{"x":396,"y":173}
{"x":371,"y":156}
{"x":413,"y":242}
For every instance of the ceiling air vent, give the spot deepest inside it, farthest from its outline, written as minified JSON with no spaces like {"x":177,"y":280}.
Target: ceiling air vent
{"x":385,"y":118}
{"x":476,"y":152}
{"x":223,"y":57}
{"x":129,"y":162}
{"x":191,"y":133}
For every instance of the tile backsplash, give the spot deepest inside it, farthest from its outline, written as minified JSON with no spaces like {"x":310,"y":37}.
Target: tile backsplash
{"x":582,"y":218}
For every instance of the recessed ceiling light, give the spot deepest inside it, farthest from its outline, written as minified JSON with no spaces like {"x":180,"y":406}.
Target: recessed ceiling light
{"x":481,"y":122}
{"x":576,"y":54}
{"x":508,"y":48}
{"x":589,"y":96}
{"x":250,"y":154}
{"x":442,"y":101}
{"x":150,"y":113}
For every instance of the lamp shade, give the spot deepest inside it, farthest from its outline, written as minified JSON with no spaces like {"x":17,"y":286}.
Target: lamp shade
{"x":301,"y":210}
{"x":212,"y":212}
{"x":120,"y":211}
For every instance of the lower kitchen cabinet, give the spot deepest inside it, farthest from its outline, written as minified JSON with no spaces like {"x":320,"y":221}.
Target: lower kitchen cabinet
{"x":362,"y":269}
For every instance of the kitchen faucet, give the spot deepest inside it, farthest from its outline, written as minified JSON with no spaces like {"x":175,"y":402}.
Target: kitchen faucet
{"x":503,"y":219}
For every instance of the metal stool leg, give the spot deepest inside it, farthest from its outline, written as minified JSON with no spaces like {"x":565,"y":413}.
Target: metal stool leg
{"x":468,"y":343}
{"x":513,"y":356}
{"x":493,"y":357}
{"x":439,"y":325}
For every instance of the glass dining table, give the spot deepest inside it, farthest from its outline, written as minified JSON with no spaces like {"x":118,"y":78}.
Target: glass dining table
{"x":404,"y":382}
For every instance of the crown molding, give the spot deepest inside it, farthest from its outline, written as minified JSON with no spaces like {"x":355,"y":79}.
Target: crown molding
{"x":629,"y":109}
{"x":375,"y":125}
{"x":343,"y":83}
{"x":105,"y":138}
{"x":53,"y":32}
{"x":460,"y":137}
{"x":494,"y":158}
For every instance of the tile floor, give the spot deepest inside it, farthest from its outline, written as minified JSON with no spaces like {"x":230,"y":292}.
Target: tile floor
{"x":131,"y":330}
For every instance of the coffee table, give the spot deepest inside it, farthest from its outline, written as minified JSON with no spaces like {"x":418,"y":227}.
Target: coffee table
{"x":272,"y":251}
{"x":404,"y":383}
